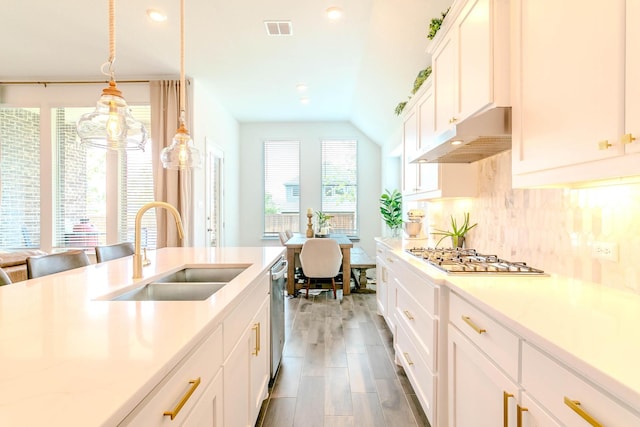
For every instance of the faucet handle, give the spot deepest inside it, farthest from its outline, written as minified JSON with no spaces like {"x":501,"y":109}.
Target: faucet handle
{"x":145,"y":260}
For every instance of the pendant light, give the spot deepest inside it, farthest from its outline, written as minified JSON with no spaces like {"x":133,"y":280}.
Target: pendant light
{"x":181,"y":154}
{"x":111,"y":125}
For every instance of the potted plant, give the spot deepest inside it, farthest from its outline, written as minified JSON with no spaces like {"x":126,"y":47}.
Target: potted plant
{"x":391,"y":210}
{"x":323,"y":223}
{"x":457,"y":233}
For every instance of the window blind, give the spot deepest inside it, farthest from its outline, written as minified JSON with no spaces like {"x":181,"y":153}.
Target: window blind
{"x":339,"y":195}
{"x":281,"y":187}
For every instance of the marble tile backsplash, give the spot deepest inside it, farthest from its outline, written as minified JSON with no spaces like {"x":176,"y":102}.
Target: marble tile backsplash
{"x":551,"y":229}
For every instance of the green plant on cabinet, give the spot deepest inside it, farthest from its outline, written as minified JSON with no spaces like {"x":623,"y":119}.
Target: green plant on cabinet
{"x":391,"y":209}
{"x":457,"y":233}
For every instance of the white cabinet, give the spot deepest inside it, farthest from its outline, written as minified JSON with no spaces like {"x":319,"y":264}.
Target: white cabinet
{"x":483,"y":368}
{"x":246,"y":366}
{"x":569,"y":110}
{"x":188,"y":393}
{"x":418,"y":334}
{"x":470,"y":61}
{"x":382,"y":275}
{"x":569,"y":398}
{"x":480,"y":394}
{"x":632,"y":83}
{"x":424,"y":181}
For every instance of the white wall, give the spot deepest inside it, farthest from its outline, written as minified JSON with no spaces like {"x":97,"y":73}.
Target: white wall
{"x":211,"y":122}
{"x":309,"y":134}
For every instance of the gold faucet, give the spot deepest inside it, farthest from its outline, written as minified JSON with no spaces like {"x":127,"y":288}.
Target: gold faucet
{"x":137,"y":256}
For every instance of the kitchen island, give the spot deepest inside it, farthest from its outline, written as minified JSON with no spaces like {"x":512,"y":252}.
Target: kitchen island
{"x":68,"y":357}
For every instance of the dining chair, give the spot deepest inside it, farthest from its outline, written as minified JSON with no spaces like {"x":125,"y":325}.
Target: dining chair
{"x":289,"y":234}
{"x":38,"y":266}
{"x":321,"y":258}
{"x":109,"y":252}
{"x":4,"y":278}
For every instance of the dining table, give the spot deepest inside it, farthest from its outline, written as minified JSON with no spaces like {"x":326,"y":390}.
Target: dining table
{"x":294,"y":246}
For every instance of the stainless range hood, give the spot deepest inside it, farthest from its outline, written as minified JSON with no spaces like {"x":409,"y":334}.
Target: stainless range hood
{"x":473,"y":139}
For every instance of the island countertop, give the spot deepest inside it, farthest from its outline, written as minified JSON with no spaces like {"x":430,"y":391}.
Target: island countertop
{"x":68,"y":358}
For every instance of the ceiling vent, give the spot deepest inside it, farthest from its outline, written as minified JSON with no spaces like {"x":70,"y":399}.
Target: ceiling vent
{"x":278,"y":28}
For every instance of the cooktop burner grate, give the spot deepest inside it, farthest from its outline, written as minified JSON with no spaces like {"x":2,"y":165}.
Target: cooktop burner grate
{"x":456,"y":260}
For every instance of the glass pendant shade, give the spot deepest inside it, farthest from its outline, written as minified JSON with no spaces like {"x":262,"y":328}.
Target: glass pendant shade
{"x":111,"y":124}
{"x":181,"y":154}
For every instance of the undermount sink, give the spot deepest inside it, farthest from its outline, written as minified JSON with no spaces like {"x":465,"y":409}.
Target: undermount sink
{"x":189,"y":284}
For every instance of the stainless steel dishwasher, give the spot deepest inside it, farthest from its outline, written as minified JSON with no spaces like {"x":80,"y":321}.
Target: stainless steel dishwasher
{"x":278,"y":286}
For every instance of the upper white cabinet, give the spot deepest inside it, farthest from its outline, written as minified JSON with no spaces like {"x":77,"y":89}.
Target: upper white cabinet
{"x":570,"y":95}
{"x":423,"y":181}
{"x":632,"y":82}
{"x":470,"y":60}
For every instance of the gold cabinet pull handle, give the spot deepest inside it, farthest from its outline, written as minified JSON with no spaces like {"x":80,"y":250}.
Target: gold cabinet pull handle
{"x":575,"y":406}
{"x":627,"y":138}
{"x":603,"y":145}
{"x":408,"y":359}
{"x":256,"y":328}
{"x":408,"y":314}
{"x":475,"y":327}
{"x":389,"y":259}
{"x":505,"y":408}
{"x":194,"y":385}
{"x":453,"y":120}
{"x":520,"y":411}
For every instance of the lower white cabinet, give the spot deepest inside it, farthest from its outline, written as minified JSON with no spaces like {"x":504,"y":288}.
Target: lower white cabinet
{"x":382,"y":275}
{"x":480,"y":394}
{"x":192,"y":391}
{"x":246,"y":367}
{"x":208,"y":411}
{"x":416,"y":314}
{"x":567,"y":396}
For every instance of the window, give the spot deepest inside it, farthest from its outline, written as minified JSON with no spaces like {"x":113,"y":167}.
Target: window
{"x":98,"y":192}
{"x":19,"y":178}
{"x":281,"y":186}
{"x":339,"y":185}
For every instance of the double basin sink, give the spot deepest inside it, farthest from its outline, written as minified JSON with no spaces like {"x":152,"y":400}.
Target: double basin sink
{"x":189,"y":284}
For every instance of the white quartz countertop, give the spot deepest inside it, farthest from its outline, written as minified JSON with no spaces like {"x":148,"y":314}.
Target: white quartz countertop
{"x":68,"y":359}
{"x":591,"y":328}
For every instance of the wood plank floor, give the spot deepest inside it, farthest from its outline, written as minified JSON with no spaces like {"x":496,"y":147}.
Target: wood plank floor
{"x":338,"y":369}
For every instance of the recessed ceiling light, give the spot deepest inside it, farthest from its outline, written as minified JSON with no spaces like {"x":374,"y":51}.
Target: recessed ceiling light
{"x":156,"y":15}
{"x":457,"y":142}
{"x":334,"y":12}
{"x":301,"y":87}
{"x":304,"y":101}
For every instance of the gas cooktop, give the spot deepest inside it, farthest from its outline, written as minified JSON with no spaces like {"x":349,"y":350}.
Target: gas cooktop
{"x":456,"y":260}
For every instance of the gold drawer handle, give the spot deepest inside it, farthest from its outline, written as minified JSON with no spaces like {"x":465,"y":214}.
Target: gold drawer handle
{"x":627,"y":138}
{"x":409,"y":361}
{"x":575,"y":406}
{"x":408,"y":314}
{"x":256,"y":327}
{"x":603,"y":145}
{"x":505,"y":408}
{"x":453,"y":120}
{"x":194,"y":385}
{"x":520,"y":411}
{"x":475,"y":327}
{"x":389,"y":259}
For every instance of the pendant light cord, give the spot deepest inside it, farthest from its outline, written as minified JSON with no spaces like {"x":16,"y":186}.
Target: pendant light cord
{"x":182,"y":78}
{"x":112,"y":41}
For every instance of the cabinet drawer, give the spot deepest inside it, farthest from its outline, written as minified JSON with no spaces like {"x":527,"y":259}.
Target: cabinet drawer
{"x":202,"y":364}
{"x":419,"y":324}
{"x":500,"y":344}
{"x":423,"y":291}
{"x":236,"y":322}
{"x":551,"y":383}
{"x":421,"y":378}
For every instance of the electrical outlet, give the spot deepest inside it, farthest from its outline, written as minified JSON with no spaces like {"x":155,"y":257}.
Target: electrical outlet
{"x":605,"y":250}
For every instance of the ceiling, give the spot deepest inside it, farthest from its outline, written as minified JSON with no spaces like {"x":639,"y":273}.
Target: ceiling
{"x":357,"y":69}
